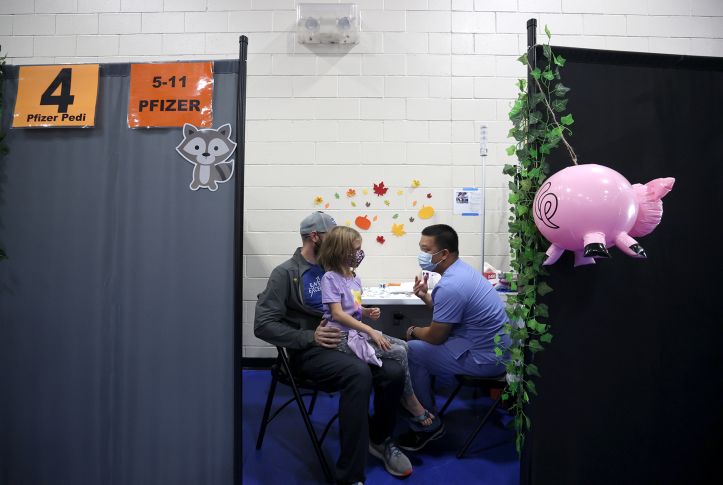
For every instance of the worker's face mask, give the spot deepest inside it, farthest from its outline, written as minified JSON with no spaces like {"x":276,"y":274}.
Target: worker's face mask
{"x":425,"y":260}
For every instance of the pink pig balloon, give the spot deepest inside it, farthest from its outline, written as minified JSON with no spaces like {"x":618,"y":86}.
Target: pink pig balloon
{"x":589,"y":208}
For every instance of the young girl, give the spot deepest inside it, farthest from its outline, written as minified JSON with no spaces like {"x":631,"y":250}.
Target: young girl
{"x":341,"y":292}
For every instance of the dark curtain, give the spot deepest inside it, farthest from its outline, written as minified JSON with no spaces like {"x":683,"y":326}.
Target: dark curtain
{"x":116,"y":305}
{"x":630,"y":388}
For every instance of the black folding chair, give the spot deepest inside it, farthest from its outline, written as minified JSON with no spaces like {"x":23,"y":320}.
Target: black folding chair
{"x":497,"y":382}
{"x":281,"y":372}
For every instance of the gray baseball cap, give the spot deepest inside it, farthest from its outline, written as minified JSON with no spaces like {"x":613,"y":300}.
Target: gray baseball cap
{"x":319,"y":222}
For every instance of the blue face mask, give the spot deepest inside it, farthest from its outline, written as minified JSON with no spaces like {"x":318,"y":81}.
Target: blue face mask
{"x":425,"y":260}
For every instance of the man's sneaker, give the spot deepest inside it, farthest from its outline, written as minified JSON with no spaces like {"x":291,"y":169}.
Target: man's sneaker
{"x":414,"y":441}
{"x":394,"y":460}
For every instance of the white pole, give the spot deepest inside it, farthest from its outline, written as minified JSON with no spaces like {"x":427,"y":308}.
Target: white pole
{"x":483,"y":154}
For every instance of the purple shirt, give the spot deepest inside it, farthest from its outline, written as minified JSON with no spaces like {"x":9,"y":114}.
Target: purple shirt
{"x":336,"y":288}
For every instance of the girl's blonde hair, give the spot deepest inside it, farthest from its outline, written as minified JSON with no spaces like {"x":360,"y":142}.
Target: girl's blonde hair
{"x":336,"y":248}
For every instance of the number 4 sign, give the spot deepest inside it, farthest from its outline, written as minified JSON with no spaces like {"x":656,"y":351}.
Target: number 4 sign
{"x":50,"y":96}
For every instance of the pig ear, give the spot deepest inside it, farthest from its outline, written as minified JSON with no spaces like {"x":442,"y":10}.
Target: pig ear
{"x":661,"y":187}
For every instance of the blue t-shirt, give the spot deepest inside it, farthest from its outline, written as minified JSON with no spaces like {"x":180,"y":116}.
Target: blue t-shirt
{"x":465,"y":299}
{"x":312,"y":287}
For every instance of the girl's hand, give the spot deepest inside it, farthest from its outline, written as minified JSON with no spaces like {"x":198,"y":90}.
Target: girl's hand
{"x":379,"y":339}
{"x":374,"y":313}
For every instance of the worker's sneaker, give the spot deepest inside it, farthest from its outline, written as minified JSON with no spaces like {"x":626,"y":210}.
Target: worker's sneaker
{"x":394,"y":460}
{"x":415,"y":441}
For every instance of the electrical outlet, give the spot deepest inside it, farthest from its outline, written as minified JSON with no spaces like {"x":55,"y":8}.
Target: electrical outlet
{"x":397,"y":319}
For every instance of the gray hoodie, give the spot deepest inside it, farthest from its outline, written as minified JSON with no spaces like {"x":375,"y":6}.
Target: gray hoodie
{"x":282,"y":316}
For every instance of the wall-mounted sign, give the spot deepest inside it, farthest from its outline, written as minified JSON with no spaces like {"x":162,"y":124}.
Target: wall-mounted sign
{"x":50,"y":96}
{"x":171,"y":94}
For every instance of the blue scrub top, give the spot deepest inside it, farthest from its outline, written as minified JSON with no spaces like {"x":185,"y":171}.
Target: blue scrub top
{"x":465,"y":299}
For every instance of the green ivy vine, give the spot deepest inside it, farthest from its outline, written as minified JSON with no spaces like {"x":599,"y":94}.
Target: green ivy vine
{"x":536,"y":131}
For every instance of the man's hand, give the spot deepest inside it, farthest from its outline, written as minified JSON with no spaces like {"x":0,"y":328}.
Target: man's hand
{"x":326,"y":336}
{"x":420,"y":286}
{"x":374,"y":313}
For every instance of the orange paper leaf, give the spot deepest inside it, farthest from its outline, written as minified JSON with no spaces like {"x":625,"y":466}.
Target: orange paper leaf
{"x":326,"y":206}
{"x":415,"y":203}
{"x":375,"y":218}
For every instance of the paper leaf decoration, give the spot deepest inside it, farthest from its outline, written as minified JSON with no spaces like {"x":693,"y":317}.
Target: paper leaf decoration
{"x":350,"y":193}
{"x":397,"y":230}
{"x":366,"y":191}
{"x":380,"y":189}
{"x":426,"y":212}
{"x":336,"y":195}
{"x":375,"y":218}
{"x":368,"y":204}
{"x":353,"y":204}
{"x":411,"y":219}
{"x":429,"y":196}
{"x":347,"y":223}
{"x":380,"y":239}
{"x":395,"y":216}
{"x":415,"y":183}
{"x":414,"y":203}
{"x":326,"y":206}
{"x":386,"y":202}
{"x":363,"y":223}
{"x":318,"y":200}
{"x":399,"y":192}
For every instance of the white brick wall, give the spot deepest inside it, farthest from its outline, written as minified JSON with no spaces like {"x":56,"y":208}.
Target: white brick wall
{"x":404,"y":104}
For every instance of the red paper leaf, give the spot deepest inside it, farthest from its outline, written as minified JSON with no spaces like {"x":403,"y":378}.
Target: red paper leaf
{"x":429,"y":196}
{"x":380,"y":189}
{"x":380,"y":239}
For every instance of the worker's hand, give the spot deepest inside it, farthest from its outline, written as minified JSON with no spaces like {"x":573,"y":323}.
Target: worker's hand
{"x":420,"y":286}
{"x":326,"y":336}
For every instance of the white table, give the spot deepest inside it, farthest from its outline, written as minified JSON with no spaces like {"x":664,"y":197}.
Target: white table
{"x":377,"y":298}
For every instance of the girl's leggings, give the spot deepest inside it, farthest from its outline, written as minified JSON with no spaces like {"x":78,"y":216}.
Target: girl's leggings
{"x":398,"y":352}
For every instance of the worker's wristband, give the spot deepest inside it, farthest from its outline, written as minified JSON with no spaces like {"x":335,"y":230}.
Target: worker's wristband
{"x":411,"y":331}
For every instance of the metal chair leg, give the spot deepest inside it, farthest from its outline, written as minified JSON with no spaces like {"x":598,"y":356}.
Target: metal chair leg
{"x":313,"y":401}
{"x":479,"y":427}
{"x":265,"y":419}
{"x":326,"y":430}
{"x":449,"y":401}
{"x":307,"y":421}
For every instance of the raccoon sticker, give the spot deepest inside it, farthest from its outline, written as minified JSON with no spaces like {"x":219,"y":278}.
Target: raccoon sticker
{"x":208,"y":150}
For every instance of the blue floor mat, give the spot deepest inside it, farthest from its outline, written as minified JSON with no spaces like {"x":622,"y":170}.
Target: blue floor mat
{"x":287,"y":455}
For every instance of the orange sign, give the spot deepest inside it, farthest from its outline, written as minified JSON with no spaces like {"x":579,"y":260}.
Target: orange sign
{"x":171,"y":94}
{"x":56,"y":96}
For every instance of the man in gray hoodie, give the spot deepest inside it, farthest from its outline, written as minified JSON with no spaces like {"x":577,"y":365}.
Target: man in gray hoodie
{"x":288,"y":314}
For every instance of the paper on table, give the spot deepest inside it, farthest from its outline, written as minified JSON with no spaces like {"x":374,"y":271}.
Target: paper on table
{"x":402,"y":288}
{"x":467,"y":202}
